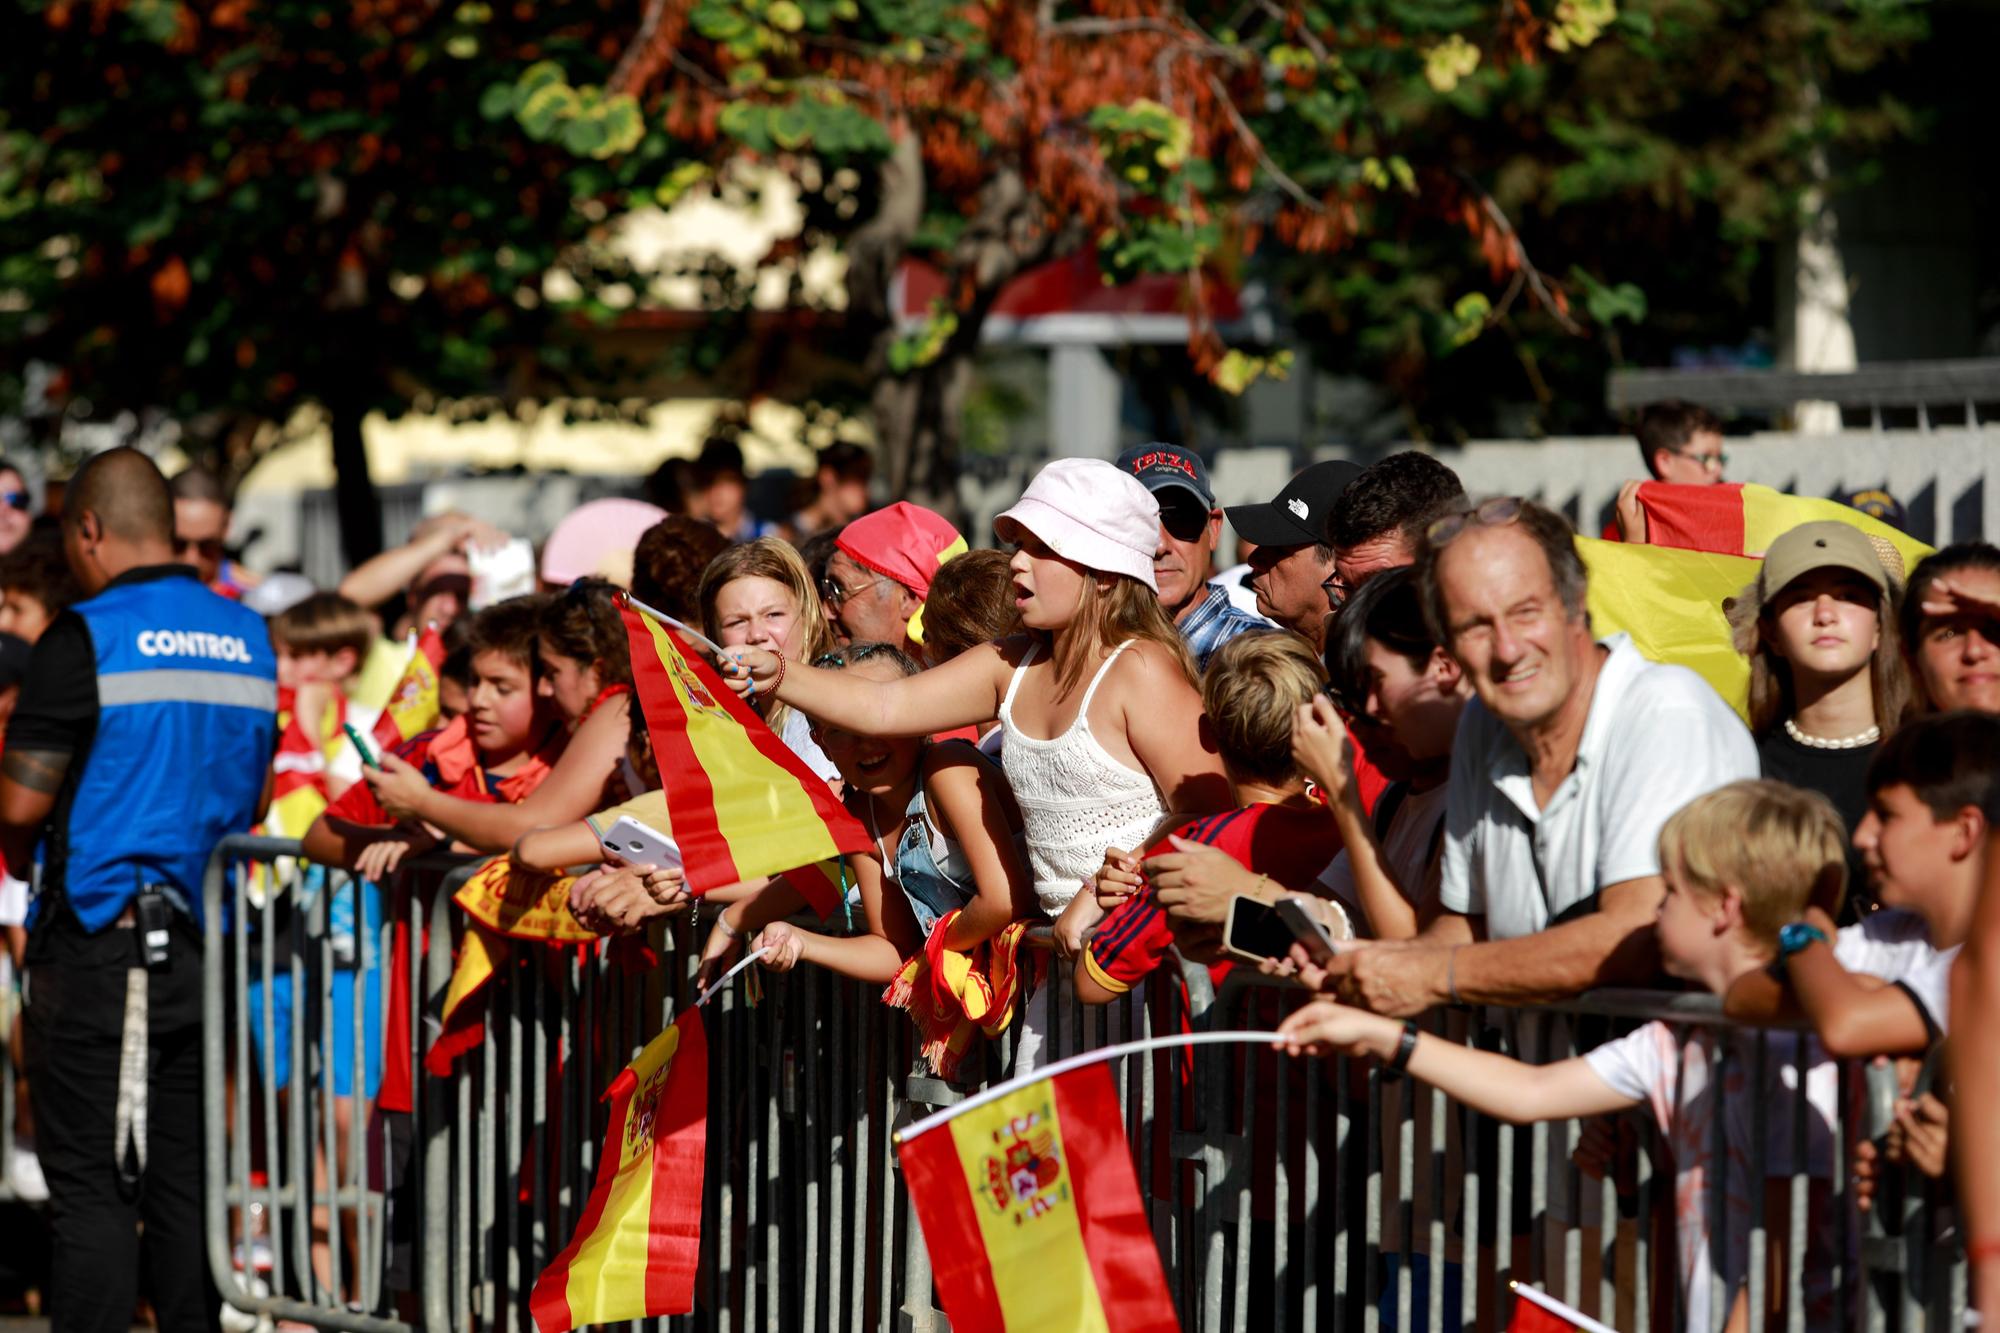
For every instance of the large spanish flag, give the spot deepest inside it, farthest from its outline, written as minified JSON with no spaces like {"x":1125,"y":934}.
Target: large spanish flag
{"x":742,"y":804}
{"x":413,"y":706}
{"x":1670,"y":602}
{"x":1032,"y":1213}
{"x":1744,"y":519}
{"x":638,"y":1242}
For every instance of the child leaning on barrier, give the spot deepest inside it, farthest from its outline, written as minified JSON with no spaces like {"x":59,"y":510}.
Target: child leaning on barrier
{"x":1738,"y":862}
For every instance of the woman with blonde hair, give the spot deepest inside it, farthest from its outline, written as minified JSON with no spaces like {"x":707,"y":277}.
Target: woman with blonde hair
{"x":1096,"y":695}
{"x":759,"y":595}
{"x":1827,"y":677}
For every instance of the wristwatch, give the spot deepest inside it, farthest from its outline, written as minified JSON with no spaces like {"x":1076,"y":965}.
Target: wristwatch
{"x":1796,"y":935}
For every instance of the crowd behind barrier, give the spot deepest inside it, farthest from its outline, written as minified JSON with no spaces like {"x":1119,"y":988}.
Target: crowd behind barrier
{"x":1270,"y":1182}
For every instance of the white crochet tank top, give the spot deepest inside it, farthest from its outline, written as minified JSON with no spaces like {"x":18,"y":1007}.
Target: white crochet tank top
{"x":1075,"y":799}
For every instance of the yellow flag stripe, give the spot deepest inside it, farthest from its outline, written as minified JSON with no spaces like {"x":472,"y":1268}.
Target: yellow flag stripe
{"x":1034,"y":1243}
{"x":607,"y":1277}
{"x":758,"y":807}
{"x":1769,"y":515}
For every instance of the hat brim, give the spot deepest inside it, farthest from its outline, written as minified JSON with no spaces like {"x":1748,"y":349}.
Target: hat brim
{"x":1177,"y":484}
{"x":1073,"y":542}
{"x":1270,"y":525}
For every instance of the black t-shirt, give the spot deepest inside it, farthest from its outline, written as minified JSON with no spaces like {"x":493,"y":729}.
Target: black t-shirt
{"x":57,"y":711}
{"x":1842,"y":777}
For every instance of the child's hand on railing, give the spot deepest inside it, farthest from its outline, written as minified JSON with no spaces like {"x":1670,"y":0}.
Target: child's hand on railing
{"x":1326,"y":1028}
{"x":1117,"y":879}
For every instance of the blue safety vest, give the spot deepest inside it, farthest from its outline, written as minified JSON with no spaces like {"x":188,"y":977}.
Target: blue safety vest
{"x":187,"y":693}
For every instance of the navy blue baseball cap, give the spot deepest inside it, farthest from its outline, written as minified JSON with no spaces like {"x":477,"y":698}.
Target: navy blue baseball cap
{"x":1163,"y":466}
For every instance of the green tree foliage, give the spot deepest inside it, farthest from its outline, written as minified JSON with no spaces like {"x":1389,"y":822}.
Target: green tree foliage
{"x":234,"y":209}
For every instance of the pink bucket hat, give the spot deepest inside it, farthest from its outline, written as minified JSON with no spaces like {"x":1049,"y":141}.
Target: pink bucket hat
{"x":1089,"y":511}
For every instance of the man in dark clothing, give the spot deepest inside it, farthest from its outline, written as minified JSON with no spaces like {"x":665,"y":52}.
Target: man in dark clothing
{"x":148,"y":680}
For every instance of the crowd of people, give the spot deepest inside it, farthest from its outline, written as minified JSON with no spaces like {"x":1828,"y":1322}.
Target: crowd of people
{"x":1415,"y":734}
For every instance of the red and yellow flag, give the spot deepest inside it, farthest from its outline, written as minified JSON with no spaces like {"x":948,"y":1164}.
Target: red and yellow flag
{"x":638,"y":1242}
{"x":413,"y":705}
{"x":741,"y":802}
{"x":1738,"y":518}
{"x":1670,"y":602}
{"x":1032,"y":1213}
{"x":1537,"y":1313}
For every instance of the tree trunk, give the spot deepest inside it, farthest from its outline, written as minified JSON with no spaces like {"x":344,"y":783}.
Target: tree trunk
{"x":355,"y":502}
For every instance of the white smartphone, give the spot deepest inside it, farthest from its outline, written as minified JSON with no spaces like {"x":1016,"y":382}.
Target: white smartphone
{"x":639,"y":845}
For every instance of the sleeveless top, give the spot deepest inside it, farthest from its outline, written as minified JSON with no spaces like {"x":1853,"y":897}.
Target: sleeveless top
{"x":1075,"y":799}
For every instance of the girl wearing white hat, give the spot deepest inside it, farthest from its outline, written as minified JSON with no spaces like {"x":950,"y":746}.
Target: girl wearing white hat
{"x":1097,"y":695}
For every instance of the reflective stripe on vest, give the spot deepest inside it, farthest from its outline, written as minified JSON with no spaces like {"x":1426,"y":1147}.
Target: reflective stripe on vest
{"x":168,"y":685}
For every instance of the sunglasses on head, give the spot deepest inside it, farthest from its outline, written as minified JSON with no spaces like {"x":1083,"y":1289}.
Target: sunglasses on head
{"x":16,"y":500}
{"x":1497,"y":512}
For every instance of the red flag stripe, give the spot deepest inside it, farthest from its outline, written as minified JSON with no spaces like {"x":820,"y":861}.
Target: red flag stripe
{"x":706,"y":852}
{"x":680,"y":1151}
{"x":1117,"y":1238}
{"x":548,"y":1303}
{"x":935,"y":1178}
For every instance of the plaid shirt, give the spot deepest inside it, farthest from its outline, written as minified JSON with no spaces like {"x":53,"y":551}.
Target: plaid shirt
{"x":1213,"y":622}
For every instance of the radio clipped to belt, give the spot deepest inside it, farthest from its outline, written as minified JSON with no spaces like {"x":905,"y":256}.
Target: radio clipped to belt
{"x":154,"y":917}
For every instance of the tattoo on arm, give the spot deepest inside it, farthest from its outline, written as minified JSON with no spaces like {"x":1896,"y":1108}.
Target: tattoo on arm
{"x":40,"y":771}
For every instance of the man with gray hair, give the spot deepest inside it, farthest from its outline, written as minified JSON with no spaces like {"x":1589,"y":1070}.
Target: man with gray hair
{"x":1565,"y":766}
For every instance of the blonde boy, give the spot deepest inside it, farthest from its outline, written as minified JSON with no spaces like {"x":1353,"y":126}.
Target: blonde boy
{"x":1739,"y":863}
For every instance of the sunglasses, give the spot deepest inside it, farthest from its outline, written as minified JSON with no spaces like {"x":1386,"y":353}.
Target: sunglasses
{"x":1185,"y":522}
{"x":209,"y":548}
{"x":19,"y":500}
{"x":1497,"y":512}
{"x":831,"y":593}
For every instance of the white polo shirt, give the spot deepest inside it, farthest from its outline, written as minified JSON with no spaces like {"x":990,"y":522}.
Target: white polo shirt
{"x":1657,"y":737}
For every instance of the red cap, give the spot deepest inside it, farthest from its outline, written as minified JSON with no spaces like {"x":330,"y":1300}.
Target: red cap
{"x":905,"y":542}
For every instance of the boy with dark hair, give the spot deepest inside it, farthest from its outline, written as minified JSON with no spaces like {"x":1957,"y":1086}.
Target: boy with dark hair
{"x":1679,"y":443}
{"x":499,"y":750}
{"x":321,"y":643}
{"x":1882,"y":986}
{"x":35,"y":586}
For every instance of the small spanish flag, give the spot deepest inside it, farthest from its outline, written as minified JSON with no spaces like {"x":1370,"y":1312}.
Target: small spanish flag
{"x":1536,"y":1313}
{"x":741,"y":802}
{"x":1744,"y":519}
{"x":413,"y":706}
{"x":1032,"y":1213}
{"x":638,"y":1242}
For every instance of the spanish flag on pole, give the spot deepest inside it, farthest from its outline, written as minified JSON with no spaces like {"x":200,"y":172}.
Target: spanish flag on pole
{"x":1670,"y":603}
{"x":1537,"y":1313}
{"x":1032,"y":1213}
{"x":413,"y":705}
{"x":742,"y":804}
{"x":638,"y":1242}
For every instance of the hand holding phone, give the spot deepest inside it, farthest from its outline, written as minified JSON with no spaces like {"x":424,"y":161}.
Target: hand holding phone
{"x":1306,"y":929}
{"x":1253,"y":930}
{"x":368,"y":759}
{"x":637,"y":844}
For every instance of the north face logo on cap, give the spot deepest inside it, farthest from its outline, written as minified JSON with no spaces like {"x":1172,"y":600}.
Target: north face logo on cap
{"x":1299,"y":507}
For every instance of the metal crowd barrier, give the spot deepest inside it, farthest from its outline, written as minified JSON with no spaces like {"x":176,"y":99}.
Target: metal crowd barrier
{"x":1284,"y":1194}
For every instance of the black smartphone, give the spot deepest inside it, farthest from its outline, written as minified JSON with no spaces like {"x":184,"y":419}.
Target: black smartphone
{"x":1254,"y":931}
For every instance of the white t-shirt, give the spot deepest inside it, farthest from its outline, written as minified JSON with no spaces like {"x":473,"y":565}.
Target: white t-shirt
{"x":1657,"y":737}
{"x":1407,"y":848}
{"x":1896,"y":946}
{"x":1674,"y":1079}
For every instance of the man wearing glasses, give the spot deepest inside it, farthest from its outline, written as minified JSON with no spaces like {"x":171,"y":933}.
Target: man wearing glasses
{"x":1681,"y":444}
{"x":201,"y":526}
{"x":1190,"y":526}
{"x":881,"y":571}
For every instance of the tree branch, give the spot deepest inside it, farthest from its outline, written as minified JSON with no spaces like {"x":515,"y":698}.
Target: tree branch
{"x":628,"y":62}
{"x":1523,"y":264}
{"x":1249,"y":136}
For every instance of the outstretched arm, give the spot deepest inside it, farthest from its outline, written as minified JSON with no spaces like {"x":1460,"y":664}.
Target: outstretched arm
{"x":961,"y":693}
{"x":1486,"y":1081}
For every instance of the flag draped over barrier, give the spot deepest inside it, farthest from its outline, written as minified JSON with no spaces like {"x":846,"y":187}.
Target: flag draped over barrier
{"x":413,"y":706}
{"x":742,"y":804}
{"x":1029,"y":1204}
{"x":638,"y":1243}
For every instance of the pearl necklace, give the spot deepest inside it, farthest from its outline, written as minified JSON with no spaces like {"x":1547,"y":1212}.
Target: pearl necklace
{"x":1854,"y":742}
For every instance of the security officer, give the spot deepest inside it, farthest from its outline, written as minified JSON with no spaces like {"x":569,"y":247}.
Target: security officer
{"x":142,"y":738}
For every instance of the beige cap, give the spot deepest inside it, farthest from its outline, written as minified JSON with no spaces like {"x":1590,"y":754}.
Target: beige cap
{"x":1828,"y":544}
